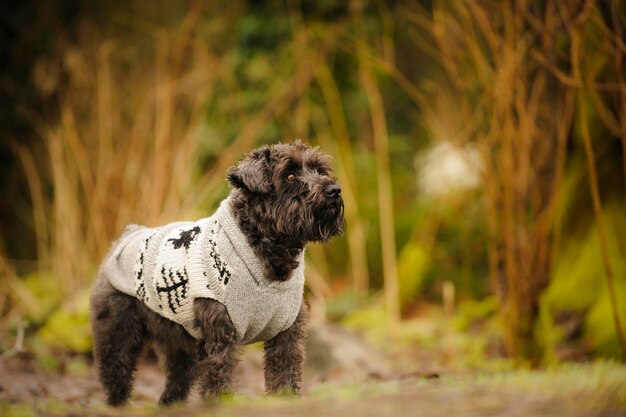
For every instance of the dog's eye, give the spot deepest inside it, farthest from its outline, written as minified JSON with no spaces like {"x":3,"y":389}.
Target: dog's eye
{"x":291,"y":178}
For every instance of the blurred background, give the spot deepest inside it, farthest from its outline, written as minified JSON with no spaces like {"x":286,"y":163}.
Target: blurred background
{"x":480,"y":145}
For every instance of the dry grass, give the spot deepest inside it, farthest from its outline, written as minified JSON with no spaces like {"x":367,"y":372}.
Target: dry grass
{"x":130,"y":129}
{"x":508,"y":91}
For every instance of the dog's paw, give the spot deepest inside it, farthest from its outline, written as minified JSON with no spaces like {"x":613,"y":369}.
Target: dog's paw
{"x":215,"y":398}
{"x":286,"y":392}
{"x":169,"y":399}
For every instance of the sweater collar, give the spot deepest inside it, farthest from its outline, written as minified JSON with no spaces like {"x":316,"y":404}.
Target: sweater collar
{"x":225,"y":217}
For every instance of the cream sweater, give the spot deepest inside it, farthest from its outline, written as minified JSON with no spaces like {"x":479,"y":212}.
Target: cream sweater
{"x":170,"y":266}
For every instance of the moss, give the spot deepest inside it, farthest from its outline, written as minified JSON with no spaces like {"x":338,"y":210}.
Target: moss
{"x":17,"y":410}
{"x":46,"y":295}
{"x":600,"y":326}
{"x":370,"y":317}
{"x":547,"y":335}
{"x":77,"y":366}
{"x":579,"y":284}
{"x":471,"y":311}
{"x":578,"y":273}
{"x":68,"y":327}
{"x":353,"y":391}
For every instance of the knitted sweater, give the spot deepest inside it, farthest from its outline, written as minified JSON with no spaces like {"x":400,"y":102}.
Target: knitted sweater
{"x":170,"y":266}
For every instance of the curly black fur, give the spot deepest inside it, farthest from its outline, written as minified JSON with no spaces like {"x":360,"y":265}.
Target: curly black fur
{"x":119,"y":336}
{"x":283,"y":197}
{"x":284,"y":357}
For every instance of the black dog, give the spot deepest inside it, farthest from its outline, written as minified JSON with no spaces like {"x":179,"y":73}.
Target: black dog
{"x":283,"y":197}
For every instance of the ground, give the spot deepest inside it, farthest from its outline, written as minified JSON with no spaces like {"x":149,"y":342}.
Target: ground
{"x":367,"y":386}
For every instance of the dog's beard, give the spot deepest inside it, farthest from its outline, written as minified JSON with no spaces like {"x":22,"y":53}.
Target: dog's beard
{"x":329,"y":221}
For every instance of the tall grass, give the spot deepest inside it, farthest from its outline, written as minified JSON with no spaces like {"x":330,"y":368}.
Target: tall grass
{"x":385,"y":194}
{"x":135,"y":124}
{"x":508,"y":91}
{"x":121,"y":152}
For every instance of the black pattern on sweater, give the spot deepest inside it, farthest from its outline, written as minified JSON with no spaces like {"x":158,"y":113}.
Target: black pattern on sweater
{"x":141,"y":289}
{"x":219,"y":265}
{"x":176,"y":287}
{"x":185,"y":238}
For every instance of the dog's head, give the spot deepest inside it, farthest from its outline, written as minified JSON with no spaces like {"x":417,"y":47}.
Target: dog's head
{"x":289,"y":190}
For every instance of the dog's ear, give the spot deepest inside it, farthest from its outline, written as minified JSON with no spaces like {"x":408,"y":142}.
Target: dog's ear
{"x":253,"y":172}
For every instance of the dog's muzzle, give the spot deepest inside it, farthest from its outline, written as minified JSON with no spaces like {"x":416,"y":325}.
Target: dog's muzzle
{"x":333,"y":201}
{"x":332,"y":191}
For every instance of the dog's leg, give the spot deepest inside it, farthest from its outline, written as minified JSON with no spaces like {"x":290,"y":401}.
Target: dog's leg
{"x":218,"y":348}
{"x":119,"y":337}
{"x":284,"y":357}
{"x":179,"y":367}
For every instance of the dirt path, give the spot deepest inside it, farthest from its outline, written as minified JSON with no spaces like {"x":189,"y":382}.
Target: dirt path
{"x":580,"y":390}
{"x":23,"y":381}
{"x":343,"y":377}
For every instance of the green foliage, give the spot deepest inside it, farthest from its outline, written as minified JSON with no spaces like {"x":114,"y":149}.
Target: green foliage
{"x":353,"y":391}
{"x":344,"y":305}
{"x":18,"y":410}
{"x":68,"y":329}
{"x":43,"y":295}
{"x":468,"y":340}
{"x":471,"y":312}
{"x":575,"y":282}
{"x":579,"y":283}
{"x":372,"y":317}
{"x":46,"y":360}
{"x":77,"y":366}
{"x":599,"y":324}
{"x":413,"y":262}
{"x":476,"y":337}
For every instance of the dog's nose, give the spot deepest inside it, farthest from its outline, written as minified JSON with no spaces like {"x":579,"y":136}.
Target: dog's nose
{"x":333,"y":190}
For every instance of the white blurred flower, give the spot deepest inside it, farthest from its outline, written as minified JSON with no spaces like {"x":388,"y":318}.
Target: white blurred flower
{"x":445,"y":168}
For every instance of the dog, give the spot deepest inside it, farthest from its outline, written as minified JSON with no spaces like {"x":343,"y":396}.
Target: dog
{"x":200,"y":290}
